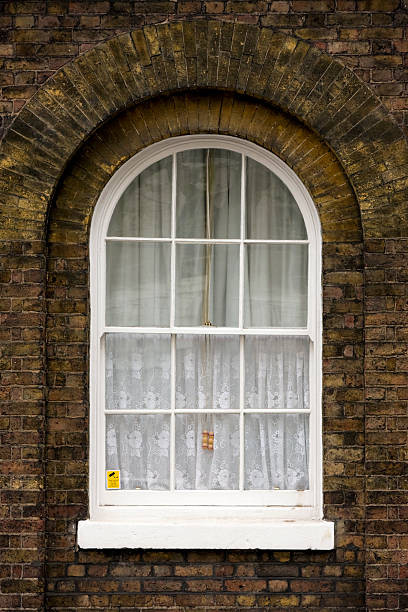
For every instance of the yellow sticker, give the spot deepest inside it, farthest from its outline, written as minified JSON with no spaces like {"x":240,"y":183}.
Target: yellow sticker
{"x":113,"y":479}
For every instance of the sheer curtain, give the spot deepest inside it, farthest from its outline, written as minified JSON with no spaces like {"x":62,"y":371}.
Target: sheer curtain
{"x":207,"y":291}
{"x":138,"y":274}
{"x":208,"y":206}
{"x":275,"y":274}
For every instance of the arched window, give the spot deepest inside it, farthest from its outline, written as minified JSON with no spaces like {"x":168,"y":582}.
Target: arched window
{"x":205,"y":345}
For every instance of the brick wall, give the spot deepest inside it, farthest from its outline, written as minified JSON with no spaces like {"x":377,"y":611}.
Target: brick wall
{"x":365,"y":449}
{"x":38,"y":37}
{"x":386,"y":425}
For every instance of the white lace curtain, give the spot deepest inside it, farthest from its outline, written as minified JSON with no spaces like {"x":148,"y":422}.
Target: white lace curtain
{"x":207,"y":367}
{"x":207,"y":376}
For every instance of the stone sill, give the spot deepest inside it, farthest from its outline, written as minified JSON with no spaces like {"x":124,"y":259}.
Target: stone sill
{"x":207,"y":533}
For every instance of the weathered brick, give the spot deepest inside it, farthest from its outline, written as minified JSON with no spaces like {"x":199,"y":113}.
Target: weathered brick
{"x":37,"y":39}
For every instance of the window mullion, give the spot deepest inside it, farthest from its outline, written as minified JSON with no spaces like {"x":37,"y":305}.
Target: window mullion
{"x":241,"y":248}
{"x":241,"y":412}
{"x":173,"y":245}
{"x":172,"y":415}
{"x":172,"y":319}
{"x":241,"y":324}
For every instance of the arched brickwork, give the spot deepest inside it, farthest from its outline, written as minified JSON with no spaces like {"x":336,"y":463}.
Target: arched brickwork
{"x":204,"y":112}
{"x":274,"y":67}
{"x":368,"y":151}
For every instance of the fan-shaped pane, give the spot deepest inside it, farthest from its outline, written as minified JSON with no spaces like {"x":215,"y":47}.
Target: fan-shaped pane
{"x":144,"y":208}
{"x":272,"y":211}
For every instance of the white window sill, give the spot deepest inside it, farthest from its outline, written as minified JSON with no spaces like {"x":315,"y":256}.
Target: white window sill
{"x":261,"y":531}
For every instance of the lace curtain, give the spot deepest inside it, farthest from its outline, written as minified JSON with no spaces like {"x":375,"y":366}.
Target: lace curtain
{"x":207,"y":367}
{"x":207,"y":376}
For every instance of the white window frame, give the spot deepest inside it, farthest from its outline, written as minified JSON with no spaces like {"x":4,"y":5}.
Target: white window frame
{"x":203,"y":519}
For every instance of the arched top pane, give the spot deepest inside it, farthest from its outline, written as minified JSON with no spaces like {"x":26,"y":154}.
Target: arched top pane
{"x":144,"y":208}
{"x":272,"y":211}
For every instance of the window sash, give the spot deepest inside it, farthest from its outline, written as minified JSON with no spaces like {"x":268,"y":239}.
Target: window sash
{"x":241,"y":410}
{"x":242,"y":242}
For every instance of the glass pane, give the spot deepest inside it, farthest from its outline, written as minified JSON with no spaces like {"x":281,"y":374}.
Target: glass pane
{"x":207,"y":284}
{"x":203,"y":468}
{"x":207,"y":372}
{"x":276,"y":372}
{"x":144,"y":208}
{"x":277,"y":451}
{"x":272,"y":211}
{"x":139,"y":446}
{"x":276,"y":285}
{"x":208,"y":194}
{"x":137,"y":372}
{"x":137,"y":284}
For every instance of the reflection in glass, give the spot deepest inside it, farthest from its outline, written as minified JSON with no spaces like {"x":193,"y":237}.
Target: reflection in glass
{"x":272,"y":211}
{"x":137,"y":372}
{"x":277,"y":451}
{"x":276,"y":285}
{"x":202,"y":468}
{"x":137,"y":284}
{"x":144,"y":208}
{"x":207,"y":372}
{"x":208,"y":194}
{"x":207,"y":284}
{"x":139,"y":446}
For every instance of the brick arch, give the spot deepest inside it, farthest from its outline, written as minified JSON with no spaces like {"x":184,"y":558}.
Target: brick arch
{"x":271,"y":66}
{"x":211,"y":112}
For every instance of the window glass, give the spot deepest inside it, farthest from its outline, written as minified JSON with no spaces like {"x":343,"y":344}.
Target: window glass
{"x":207,"y":372}
{"x":208,"y":193}
{"x":272,"y":211}
{"x":276,"y":451}
{"x":139,"y":446}
{"x":200,"y":467}
{"x":207,"y":284}
{"x":137,"y":372}
{"x":276,"y":285}
{"x":137,"y":284}
{"x":144,"y":208}
{"x":276,"y":373}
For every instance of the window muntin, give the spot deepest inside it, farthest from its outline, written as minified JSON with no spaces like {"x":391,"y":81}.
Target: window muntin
{"x":244,"y":483}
